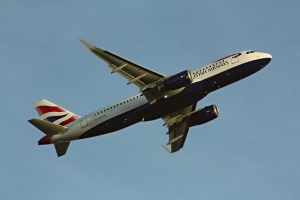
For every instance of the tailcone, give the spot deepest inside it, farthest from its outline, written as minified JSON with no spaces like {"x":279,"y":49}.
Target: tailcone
{"x":45,"y":140}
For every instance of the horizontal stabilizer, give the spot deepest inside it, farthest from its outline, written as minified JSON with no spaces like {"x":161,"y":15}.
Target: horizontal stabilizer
{"x":61,"y":148}
{"x":47,"y":127}
{"x":167,"y":148}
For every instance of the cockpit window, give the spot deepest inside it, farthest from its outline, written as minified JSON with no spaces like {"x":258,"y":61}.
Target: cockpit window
{"x":232,"y":55}
{"x":252,"y":51}
{"x":236,"y":55}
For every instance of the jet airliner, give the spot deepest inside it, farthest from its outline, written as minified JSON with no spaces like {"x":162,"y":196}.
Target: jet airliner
{"x":172,"y":98}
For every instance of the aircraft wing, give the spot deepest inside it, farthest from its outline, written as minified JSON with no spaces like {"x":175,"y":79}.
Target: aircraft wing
{"x":178,"y":129}
{"x":140,"y":76}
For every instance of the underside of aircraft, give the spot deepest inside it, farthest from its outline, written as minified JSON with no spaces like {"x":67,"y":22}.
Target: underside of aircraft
{"x":172,"y":98}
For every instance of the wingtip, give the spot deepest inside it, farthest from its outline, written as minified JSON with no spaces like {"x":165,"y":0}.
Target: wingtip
{"x":167,"y":148}
{"x":88,"y":45}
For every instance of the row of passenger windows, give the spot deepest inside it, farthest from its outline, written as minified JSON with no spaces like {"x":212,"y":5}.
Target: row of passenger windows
{"x":119,"y":104}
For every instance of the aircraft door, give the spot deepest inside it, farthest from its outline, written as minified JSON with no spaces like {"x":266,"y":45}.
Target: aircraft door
{"x":235,"y":58}
{"x":83,"y":122}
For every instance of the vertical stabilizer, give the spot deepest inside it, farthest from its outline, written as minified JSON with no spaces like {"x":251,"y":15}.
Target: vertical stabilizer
{"x":61,"y":148}
{"x":54,"y":113}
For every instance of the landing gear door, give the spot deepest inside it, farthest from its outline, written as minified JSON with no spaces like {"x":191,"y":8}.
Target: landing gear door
{"x":235,"y":58}
{"x":83,"y":122}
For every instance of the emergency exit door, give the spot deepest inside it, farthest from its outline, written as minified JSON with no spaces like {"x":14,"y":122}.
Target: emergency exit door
{"x":83,"y":122}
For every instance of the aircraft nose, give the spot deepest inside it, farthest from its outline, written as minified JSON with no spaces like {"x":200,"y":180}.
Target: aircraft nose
{"x":266,"y":58}
{"x":269,"y":56}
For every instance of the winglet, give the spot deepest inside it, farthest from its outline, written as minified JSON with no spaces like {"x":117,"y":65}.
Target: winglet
{"x":167,"y":148}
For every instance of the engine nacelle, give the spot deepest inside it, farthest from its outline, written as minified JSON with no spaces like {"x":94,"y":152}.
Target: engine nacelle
{"x":176,"y":81}
{"x":203,"y":116}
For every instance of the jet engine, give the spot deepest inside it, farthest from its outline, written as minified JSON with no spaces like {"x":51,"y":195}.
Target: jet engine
{"x":176,"y":81}
{"x":203,"y":116}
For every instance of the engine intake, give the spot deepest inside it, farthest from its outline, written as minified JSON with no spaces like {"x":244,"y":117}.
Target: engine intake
{"x":176,"y":81}
{"x":203,"y":116}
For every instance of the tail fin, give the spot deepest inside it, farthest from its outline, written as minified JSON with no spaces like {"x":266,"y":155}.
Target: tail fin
{"x":54,"y":113}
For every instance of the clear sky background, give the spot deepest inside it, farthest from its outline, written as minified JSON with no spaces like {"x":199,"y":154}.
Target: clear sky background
{"x":250,"y":152}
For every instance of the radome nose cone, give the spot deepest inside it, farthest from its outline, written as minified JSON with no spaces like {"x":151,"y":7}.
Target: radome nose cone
{"x":267,"y":58}
{"x":45,"y":140}
{"x":270,"y":56}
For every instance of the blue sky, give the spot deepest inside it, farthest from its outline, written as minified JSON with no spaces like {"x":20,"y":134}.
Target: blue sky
{"x":250,"y":152}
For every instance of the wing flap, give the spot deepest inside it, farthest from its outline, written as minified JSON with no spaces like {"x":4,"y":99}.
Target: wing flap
{"x":178,"y":136}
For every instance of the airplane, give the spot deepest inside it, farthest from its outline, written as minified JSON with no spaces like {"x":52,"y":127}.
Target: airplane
{"x":172,"y":98}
